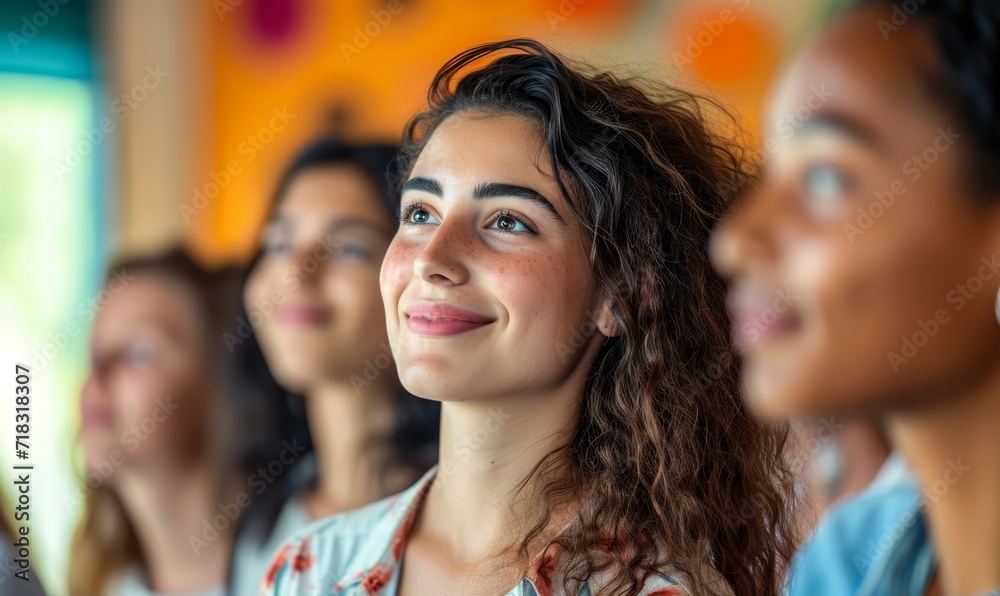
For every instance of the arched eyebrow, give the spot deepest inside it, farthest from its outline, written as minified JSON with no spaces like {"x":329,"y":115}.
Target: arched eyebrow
{"x":487,"y":190}
{"x":345,"y":224}
{"x":427,"y":185}
{"x":844,"y":126}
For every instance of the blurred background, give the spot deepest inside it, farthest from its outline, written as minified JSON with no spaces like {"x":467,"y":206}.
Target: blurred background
{"x":128,"y":125}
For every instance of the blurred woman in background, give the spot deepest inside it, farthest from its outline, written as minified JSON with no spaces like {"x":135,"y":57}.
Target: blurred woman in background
{"x":881,"y":214}
{"x":312,"y":295}
{"x":155,"y":485}
{"x":550,"y":285}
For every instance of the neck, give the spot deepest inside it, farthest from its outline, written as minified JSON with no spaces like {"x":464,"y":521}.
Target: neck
{"x":478,"y":504}
{"x":168,"y":505}
{"x":954,"y":449}
{"x":349,"y":429}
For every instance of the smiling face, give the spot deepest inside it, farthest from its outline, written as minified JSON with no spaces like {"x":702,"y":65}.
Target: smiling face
{"x":315,"y":290}
{"x":146,"y":396}
{"x":487,"y":287}
{"x":852,"y":262}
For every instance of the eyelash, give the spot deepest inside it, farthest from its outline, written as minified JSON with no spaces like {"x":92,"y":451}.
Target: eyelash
{"x":407,"y":211}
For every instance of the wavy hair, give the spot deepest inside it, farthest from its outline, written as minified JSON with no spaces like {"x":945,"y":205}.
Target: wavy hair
{"x":669,"y":453}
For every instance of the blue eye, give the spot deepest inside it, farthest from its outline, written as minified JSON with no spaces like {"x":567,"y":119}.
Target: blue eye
{"x":277,"y":248}
{"x":511,"y":224}
{"x":354,"y":251}
{"x":140,"y":354}
{"x":825,"y":187}
{"x":417,"y":215}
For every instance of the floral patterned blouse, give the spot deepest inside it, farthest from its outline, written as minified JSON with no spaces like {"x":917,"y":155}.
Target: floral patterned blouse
{"x":358,"y":554}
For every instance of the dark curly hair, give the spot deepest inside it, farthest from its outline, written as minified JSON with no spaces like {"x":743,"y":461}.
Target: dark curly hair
{"x":966,"y":36}
{"x":669,"y":453}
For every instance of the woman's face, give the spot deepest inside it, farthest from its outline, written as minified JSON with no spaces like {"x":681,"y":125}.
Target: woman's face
{"x":147,"y":392}
{"x":313,"y":298}
{"x":487,"y":286}
{"x":864,"y":268}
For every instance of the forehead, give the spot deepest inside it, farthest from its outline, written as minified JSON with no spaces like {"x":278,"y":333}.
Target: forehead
{"x":146,"y":301}
{"x":472,"y":146}
{"x":857,"y":70}
{"x":330,"y":189}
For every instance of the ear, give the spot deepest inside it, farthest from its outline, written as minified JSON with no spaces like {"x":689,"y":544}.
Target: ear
{"x":605,"y":319}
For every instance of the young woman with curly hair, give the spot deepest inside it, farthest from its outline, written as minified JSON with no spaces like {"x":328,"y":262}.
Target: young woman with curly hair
{"x":550,"y":285}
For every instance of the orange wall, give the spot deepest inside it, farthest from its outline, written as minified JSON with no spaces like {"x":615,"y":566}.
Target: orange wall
{"x":335,"y":67}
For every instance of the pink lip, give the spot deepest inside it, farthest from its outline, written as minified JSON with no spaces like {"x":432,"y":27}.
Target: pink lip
{"x":757,"y":317}
{"x":439,"y":319}
{"x":91,"y":417}
{"x":301,"y":315}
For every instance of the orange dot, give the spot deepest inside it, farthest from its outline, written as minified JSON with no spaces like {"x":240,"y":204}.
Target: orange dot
{"x":724,"y":46}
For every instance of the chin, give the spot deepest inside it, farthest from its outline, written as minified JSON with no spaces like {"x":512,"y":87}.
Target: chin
{"x":294,"y":378}
{"x":431,"y":382}
{"x":772,"y":399}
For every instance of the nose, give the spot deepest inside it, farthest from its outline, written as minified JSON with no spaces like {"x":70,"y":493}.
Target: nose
{"x":443,"y":258}
{"x":745,"y":236}
{"x":306,"y":263}
{"x":92,"y":390}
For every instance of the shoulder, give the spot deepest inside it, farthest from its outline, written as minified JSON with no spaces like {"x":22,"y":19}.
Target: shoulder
{"x":344,"y":548}
{"x":677,"y":583}
{"x":336,"y":545}
{"x":255,"y":545}
{"x":853,"y":537}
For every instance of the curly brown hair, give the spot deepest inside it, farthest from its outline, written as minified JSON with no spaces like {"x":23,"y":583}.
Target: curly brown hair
{"x":669,"y":453}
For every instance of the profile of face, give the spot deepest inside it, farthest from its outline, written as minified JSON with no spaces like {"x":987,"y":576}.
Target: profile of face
{"x":146,"y":397}
{"x":865,"y":266}
{"x":487,"y":286}
{"x":313,"y":296}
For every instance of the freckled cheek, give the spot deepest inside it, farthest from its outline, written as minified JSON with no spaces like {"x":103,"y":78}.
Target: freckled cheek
{"x":396,"y":272}
{"x":528,"y":287}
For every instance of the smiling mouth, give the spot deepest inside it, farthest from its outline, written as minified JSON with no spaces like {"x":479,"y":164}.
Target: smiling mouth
{"x":438,"y":320}
{"x":761,"y":316}
{"x":303,"y":316}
